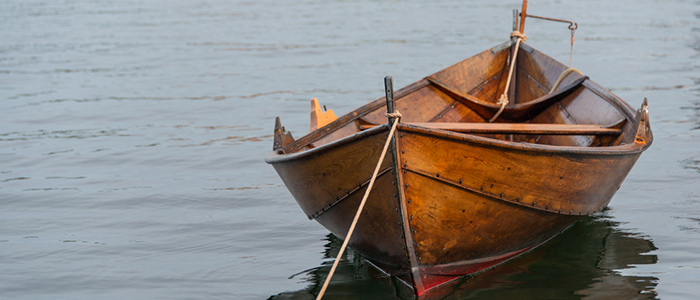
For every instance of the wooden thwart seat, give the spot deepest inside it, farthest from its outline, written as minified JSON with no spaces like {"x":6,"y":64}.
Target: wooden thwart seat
{"x":518,"y":128}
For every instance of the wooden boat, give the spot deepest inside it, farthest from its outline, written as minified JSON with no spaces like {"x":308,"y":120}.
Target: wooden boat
{"x":459,"y":194}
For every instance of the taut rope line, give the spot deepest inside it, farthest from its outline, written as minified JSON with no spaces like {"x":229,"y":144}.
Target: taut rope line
{"x":503,"y":101}
{"x":397,"y":117}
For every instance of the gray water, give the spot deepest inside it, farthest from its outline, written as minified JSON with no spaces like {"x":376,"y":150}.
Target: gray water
{"x":132,"y":137}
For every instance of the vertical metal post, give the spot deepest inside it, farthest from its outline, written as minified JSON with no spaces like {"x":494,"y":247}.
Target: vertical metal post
{"x":515,"y":19}
{"x":389,"y":89}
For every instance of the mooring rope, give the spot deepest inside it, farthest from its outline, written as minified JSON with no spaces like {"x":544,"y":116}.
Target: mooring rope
{"x":397,"y":117}
{"x":395,"y":114}
{"x":562,"y":76}
{"x":503,"y":101}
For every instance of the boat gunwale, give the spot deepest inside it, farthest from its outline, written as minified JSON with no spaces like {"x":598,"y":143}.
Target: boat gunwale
{"x":627,"y":149}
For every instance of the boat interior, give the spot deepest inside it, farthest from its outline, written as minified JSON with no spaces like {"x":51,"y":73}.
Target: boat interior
{"x":547,"y":103}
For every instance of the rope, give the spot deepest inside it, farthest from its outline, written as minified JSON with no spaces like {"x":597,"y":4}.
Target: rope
{"x":573,"y":28}
{"x":519,"y":35}
{"x":562,"y":76}
{"x":395,"y":114}
{"x":397,"y":117}
{"x":503,"y":101}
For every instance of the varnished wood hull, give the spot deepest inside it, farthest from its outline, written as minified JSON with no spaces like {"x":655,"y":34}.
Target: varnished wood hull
{"x":448,"y":203}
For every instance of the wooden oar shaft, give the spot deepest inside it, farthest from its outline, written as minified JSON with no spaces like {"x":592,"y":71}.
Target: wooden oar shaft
{"x":519,"y":128}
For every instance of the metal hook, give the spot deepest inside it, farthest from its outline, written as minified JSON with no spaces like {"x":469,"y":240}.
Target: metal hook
{"x":572,"y":26}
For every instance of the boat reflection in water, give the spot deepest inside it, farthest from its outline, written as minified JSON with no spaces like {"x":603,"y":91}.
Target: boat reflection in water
{"x":581,"y":263}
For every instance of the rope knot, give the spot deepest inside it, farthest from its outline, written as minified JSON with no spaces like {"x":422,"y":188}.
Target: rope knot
{"x":519,"y":35}
{"x":503,"y":100}
{"x":395,"y":114}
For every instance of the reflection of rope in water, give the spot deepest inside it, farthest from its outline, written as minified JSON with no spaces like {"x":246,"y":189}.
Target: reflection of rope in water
{"x":609,"y":226}
{"x":302,"y":272}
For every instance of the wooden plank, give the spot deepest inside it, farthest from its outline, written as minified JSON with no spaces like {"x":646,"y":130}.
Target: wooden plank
{"x":472,"y":72}
{"x":421,"y":105}
{"x":522,"y":128}
{"x":518,"y":128}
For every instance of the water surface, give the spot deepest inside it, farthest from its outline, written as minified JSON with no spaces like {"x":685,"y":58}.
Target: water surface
{"x":132,"y":137}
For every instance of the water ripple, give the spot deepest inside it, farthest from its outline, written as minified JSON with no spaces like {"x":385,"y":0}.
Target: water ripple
{"x":61,"y":134}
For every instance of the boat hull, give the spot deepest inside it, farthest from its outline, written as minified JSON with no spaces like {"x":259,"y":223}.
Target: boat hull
{"x":455,"y":204}
{"x":458,"y":193}
{"x":328,"y":184}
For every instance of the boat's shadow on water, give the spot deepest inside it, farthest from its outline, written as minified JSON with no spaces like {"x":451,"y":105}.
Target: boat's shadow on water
{"x":584,"y":262}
